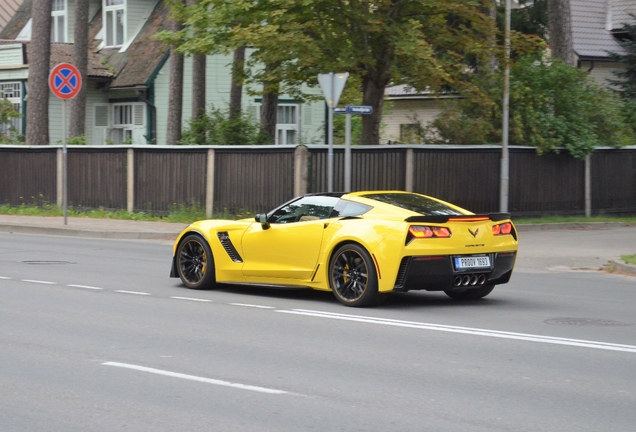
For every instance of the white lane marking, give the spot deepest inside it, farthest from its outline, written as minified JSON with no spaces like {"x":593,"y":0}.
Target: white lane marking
{"x":196,"y":378}
{"x":85,"y":287}
{"x":252,"y":306}
{"x":132,"y":292}
{"x":4,"y":277}
{"x":38,"y":282}
{"x":191,"y":299}
{"x":466,"y":330}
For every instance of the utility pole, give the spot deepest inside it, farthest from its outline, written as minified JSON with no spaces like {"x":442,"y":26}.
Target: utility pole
{"x":505,"y":159}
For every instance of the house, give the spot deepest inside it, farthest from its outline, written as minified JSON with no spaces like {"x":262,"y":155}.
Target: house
{"x":7,"y":10}
{"x":596,"y":30}
{"x":128,"y":76}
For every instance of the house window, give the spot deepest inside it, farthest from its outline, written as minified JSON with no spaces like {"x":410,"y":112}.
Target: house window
{"x":115,"y":19}
{"x":128,"y":122}
{"x":287,"y":124}
{"x":12,"y":91}
{"x":58,"y":21}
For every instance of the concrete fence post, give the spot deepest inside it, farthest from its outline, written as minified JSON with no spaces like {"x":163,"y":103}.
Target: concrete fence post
{"x":59,"y":178}
{"x":300,"y":170}
{"x":209,"y":184}
{"x":130,"y":180}
{"x":409,"y":169}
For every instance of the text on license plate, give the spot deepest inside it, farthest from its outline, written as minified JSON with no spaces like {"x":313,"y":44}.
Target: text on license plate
{"x":472,"y":262}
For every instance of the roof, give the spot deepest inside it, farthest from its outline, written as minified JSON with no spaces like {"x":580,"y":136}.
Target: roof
{"x":7,"y":9}
{"x":21,"y":16}
{"x":137,"y":65}
{"x":404,"y":91}
{"x":590,"y":20}
{"x":63,"y":53}
{"x":620,"y":13}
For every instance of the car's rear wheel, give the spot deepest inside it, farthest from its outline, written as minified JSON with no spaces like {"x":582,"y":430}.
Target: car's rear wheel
{"x":195,"y":263}
{"x":471,"y":294}
{"x":352,"y":276}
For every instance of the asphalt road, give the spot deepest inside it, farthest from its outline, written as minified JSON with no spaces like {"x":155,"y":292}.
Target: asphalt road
{"x":94,"y":336}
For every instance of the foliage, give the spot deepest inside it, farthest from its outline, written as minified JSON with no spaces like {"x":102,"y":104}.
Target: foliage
{"x":7,"y":113}
{"x":629,"y":259}
{"x":552,"y":106}
{"x":532,"y":19}
{"x":217,"y":127}
{"x":429,"y":44}
{"x":77,"y":140}
{"x":626,"y":82}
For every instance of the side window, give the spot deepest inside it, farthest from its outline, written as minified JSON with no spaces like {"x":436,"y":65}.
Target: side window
{"x":346,"y":208}
{"x":58,"y":21}
{"x":115,"y":22}
{"x":305,"y":209}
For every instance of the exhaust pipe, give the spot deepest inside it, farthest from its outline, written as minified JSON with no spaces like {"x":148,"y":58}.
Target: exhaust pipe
{"x":457,"y":281}
{"x":473,"y":280}
{"x":465,"y":280}
{"x":481,"y":279}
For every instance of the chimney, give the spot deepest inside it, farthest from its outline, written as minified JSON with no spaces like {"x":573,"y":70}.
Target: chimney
{"x":608,"y":16}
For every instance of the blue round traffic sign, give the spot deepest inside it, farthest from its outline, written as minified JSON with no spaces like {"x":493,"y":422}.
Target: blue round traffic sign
{"x":65,"y":81}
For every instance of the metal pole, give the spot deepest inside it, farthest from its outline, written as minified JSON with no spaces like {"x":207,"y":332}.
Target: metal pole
{"x":505,"y":160}
{"x":347,"y":156}
{"x":64,"y":167}
{"x":330,"y":138}
{"x":588,"y":185}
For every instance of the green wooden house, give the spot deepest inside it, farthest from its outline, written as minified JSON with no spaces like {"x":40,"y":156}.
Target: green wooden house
{"x":128,"y":76}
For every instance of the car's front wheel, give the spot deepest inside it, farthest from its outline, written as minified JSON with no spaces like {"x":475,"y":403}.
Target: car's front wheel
{"x":471,"y":294}
{"x":195,"y":263}
{"x":352,"y":276}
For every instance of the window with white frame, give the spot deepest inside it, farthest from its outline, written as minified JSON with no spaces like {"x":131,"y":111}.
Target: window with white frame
{"x":58,"y":21}
{"x":287,"y":124}
{"x":12,"y":91}
{"x":126,"y":119}
{"x":114,"y":22}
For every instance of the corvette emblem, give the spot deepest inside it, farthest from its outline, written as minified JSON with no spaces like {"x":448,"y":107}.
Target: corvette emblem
{"x":473,"y":233}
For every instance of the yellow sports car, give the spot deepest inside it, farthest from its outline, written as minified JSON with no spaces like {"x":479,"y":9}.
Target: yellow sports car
{"x":358,"y":245}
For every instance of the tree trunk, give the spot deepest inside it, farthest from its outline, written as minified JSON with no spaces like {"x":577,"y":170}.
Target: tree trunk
{"x":269,"y":105}
{"x":37,"y":120}
{"x":198,"y":85}
{"x":372,"y":95}
{"x":80,"y":61}
{"x":560,"y":28}
{"x":175,"y":93}
{"x":238,"y":77}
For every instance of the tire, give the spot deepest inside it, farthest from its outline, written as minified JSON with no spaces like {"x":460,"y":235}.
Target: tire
{"x":353,"y":277}
{"x":195,"y":263}
{"x":471,"y":294}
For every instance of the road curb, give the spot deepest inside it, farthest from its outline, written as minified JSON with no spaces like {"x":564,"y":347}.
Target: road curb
{"x":623,"y":267}
{"x":572,"y":225}
{"x":72,"y":232}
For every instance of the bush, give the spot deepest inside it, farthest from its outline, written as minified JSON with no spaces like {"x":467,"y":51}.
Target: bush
{"x":216,"y":127}
{"x":552,"y":105}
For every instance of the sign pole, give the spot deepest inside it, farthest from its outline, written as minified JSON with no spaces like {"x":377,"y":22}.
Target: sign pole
{"x":347,"y":157}
{"x":64,"y":166}
{"x":505,"y":157}
{"x":330,"y":138}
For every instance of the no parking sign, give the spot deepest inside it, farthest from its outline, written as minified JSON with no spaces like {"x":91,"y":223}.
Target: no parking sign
{"x":65,"y":81}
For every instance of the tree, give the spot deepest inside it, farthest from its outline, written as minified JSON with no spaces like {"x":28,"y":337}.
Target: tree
{"x":238,"y":78}
{"x":552,"y":106}
{"x":560,"y":27}
{"x":175,"y":93}
{"x":37,"y":130}
{"x":428,"y":44}
{"x":626,"y":82}
{"x":80,"y":61}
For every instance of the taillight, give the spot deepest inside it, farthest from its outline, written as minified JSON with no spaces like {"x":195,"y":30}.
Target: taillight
{"x":418,"y":231}
{"x":502,"y":229}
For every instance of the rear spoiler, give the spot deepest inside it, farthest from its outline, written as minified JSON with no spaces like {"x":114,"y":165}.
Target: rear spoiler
{"x":458,"y":218}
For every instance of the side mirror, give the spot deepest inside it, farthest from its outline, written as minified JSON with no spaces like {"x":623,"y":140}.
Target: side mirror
{"x":262,"y":219}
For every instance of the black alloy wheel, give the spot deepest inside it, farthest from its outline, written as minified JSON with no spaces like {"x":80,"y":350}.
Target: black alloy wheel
{"x":195,"y":263}
{"x":353,"y":277}
{"x":470,"y":294}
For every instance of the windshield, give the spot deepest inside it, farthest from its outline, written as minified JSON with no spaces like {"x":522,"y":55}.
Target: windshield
{"x":417,"y":203}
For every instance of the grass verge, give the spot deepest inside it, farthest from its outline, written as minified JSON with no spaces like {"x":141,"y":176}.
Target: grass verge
{"x":629,"y":259}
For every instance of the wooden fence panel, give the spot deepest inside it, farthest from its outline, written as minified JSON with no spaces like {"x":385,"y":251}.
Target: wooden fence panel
{"x":468,"y":178}
{"x":167,"y":178}
{"x":252,"y":181}
{"x":547,"y":184}
{"x":28,"y":176}
{"x":614,"y":181}
{"x":97,"y":178}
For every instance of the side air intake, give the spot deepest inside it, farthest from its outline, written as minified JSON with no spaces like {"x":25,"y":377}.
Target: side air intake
{"x":224,"y":238}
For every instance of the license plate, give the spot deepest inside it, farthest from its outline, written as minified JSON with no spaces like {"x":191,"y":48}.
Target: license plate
{"x":472,"y":262}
